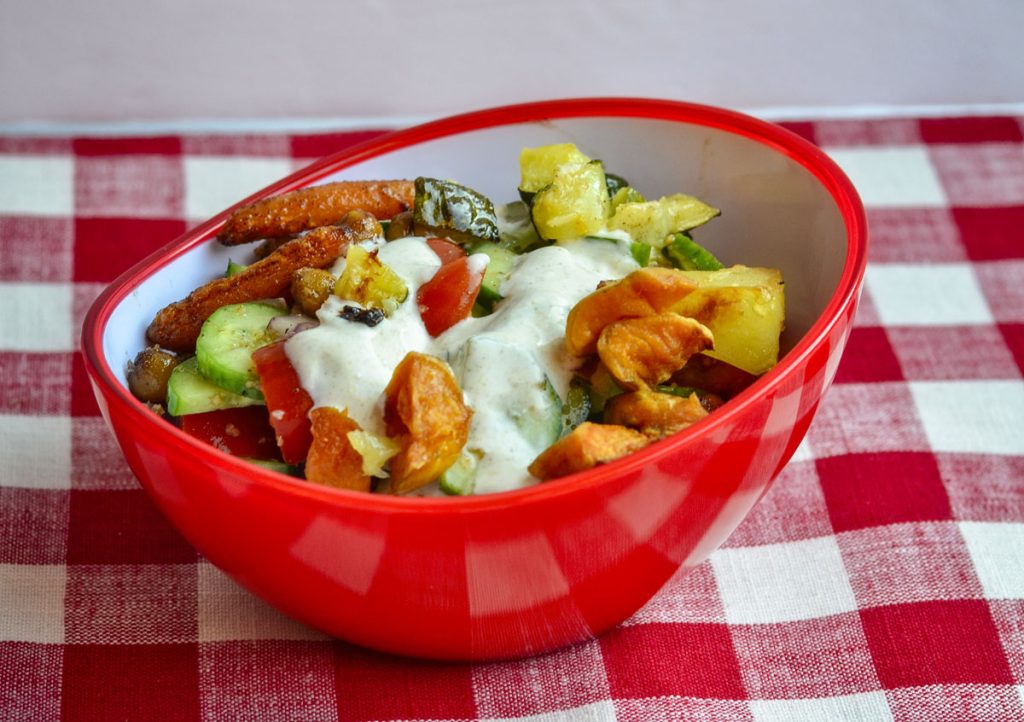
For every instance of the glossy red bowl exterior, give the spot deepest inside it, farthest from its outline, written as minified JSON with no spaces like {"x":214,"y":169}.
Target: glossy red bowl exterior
{"x":520,"y":572}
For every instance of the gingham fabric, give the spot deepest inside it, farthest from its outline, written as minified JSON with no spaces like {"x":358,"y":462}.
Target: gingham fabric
{"x":882,"y":577}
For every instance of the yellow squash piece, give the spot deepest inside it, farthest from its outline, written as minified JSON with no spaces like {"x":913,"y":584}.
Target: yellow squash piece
{"x":369,"y":282}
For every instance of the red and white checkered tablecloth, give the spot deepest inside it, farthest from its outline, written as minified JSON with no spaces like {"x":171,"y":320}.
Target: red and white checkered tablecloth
{"x":882,"y":578}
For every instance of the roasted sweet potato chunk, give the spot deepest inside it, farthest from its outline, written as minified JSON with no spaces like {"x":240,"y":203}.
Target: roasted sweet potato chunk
{"x":323,"y":205}
{"x":585,"y":447}
{"x":424,"y":411}
{"x":332,"y":460}
{"x":647,"y":351}
{"x":653,"y":413}
{"x":645,"y":292}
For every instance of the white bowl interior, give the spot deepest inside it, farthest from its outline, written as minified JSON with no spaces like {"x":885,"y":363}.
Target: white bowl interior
{"x":774,"y":211}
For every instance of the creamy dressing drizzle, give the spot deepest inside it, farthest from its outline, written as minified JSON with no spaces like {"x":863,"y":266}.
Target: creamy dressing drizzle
{"x":347,"y":365}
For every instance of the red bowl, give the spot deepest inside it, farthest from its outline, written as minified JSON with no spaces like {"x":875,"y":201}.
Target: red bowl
{"x":530,"y":570}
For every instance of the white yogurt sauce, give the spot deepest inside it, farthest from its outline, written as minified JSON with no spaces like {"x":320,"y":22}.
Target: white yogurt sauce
{"x":500,"y":360}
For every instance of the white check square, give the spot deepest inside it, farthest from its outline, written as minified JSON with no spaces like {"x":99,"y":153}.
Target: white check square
{"x":37,"y":317}
{"x":915,"y":295}
{"x":894,"y":176}
{"x":36,"y":452}
{"x":32,"y":598}
{"x":36,"y":185}
{"x":997,"y":550}
{"x":229,"y":612}
{"x":865,"y":707}
{"x":783,"y":582}
{"x":215,"y":183}
{"x":973,"y":417}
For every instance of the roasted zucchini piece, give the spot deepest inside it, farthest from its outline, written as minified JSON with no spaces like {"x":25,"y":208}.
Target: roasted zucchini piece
{"x":574,"y":204}
{"x":445,"y":208}
{"x":685,"y":253}
{"x":515,"y":227}
{"x":370,"y":282}
{"x":651,"y":222}
{"x":614,"y":183}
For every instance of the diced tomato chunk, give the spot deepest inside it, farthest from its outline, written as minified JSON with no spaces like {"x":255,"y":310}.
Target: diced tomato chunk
{"x":446,"y":250}
{"x":448,"y":297}
{"x":243,"y":431}
{"x":287,"y":402}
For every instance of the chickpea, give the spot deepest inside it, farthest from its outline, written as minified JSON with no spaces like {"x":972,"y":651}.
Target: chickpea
{"x":311,"y":287}
{"x":149,"y":372}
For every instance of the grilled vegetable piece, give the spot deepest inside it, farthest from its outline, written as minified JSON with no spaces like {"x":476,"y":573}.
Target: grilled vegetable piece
{"x":537,"y":166}
{"x":615,"y":183}
{"x":149,"y":373}
{"x":744,"y":308}
{"x":375,"y":449}
{"x":424,"y":411}
{"x":574,"y":204}
{"x":332,"y":460}
{"x":307,"y":208}
{"x":642,"y":352}
{"x":685,"y":253}
{"x":498,"y":268}
{"x":189,"y":392}
{"x":577,"y":406}
{"x":177,"y":326}
{"x":651,"y":222}
{"x":515,"y":228}
{"x":459,"y":479}
{"x":370,"y":282}
{"x":225,"y":345}
{"x":644,"y":292}
{"x":311,"y":287}
{"x":654,"y":414}
{"x":587,"y":446}
{"x":445,"y":208}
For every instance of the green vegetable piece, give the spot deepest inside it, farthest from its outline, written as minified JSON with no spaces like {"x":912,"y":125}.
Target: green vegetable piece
{"x":459,"y":479}
{"x":445,"y":208}
{"x":683,"y":252}
{"x":629,"y":194}
{"x":226,"y":342}
{"x":681,"y":391}
{"x":577,"y":406}
{"x":189,"y":392}
{"x":516,"y":229}
{"x":614,"y":183}
{"x":275,"y":465}
{"x":498,"y":268}
{"x":641,"y":253}
{"x":234,"y":269}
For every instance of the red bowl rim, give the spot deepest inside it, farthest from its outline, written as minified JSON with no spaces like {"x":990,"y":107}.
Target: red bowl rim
{"x":812,"y":158}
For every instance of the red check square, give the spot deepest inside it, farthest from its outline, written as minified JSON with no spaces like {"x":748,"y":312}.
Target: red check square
{"x":868,"y":357}
{"x":903,"y":563}
{"x":801,"y":659}
{"x":935,"y":642}
{"x":262,"y":679}
{"x":991,"y":233}
{"x":128,"y":146}
{"x":35,"y":249}
{"x":936,"y":353}
{"x":867,"y":489}
{"x":688,"y":660}
{"x":34,"y":524}
{"x":122,"y":527}
{"x":321,"y":144}
{"x":106,"y":247}
{"x":136,"y":681}
{"x":1013,"y":335}
{"x":32,"y":682}
{"x":914,"y":235}
{"x":371,"y":686}
{"x":34,"y":383}
{"x":971,"y":130}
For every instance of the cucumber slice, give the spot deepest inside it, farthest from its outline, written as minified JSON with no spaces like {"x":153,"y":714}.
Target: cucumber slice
{"x":234,"y":269}
{"x":226,"y":342}
{"x":577,"y":405}
{"x":498,"y":268}
{"x":188,"y":392}
{"x":459,"y":479}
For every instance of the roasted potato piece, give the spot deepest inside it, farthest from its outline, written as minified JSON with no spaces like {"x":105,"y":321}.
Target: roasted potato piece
{"x":369,"y":282}
{"x":646,"y":351}
{"x":323,"y":205}
{"x":652,"y":413}
{"x":149,"y":373}
{"x":744,"y":308}
{"x":588,"y":445}
{"x":177,"y":326}
{"x":425,"y":413}
{"x":311,"y":287}
{"x":645,"y":292}
{"x":332,"y":460}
